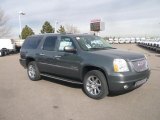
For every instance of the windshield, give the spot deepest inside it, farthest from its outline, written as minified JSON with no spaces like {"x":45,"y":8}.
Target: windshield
{"x":92,"y":43}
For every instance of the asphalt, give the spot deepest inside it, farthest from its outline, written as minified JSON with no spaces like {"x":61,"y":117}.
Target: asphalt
{"x":49,"y":99}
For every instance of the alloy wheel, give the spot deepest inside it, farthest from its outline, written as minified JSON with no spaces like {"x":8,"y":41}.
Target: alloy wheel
{"x":32,"y":71}
{"x":93,"y":85}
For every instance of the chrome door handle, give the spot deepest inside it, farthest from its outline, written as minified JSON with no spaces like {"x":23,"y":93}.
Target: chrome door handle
{"x":42,"y":54}
{"x":57,"y":56}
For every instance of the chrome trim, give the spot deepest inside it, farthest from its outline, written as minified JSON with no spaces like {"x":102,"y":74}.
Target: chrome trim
{"x":137,"y":59}
{"x":42,"y":54}
{"x":58,"y":56}
{"x":62,"y":79}
{"x":140,"y":65}
{"x":93,"y":85}
{"x":71,"y":68}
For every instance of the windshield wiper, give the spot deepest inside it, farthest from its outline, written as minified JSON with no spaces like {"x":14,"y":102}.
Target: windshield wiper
{"x":111,"y":48}
{"x":96,"y":48}
{"x":103,"y":48}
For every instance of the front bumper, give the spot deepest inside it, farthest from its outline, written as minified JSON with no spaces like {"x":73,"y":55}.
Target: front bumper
{"x":119,"y":82}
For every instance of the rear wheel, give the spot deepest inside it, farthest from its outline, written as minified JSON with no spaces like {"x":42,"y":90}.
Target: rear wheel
{"x":1,"y":54}
{"x":5,"y":53}
{"x":33,"y":72}
{"x":95,"y":84}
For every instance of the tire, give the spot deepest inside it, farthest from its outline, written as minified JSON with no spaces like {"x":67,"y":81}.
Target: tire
{"x":33,"y":72}
{"x":95,"y":85}
{"x":1,"y":54}
{"x":5,"y":53}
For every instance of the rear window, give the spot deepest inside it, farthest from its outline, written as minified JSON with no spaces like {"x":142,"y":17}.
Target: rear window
{"x":32,"y":42}
{"x":49,"y":43}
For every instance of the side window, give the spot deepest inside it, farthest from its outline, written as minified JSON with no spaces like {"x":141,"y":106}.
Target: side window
{"x":32,"y":42}
{"x":49,"y":43}
{"x":65,"y":41}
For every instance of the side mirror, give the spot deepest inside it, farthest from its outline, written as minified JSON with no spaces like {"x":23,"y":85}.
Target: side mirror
{"x":70,"y":49}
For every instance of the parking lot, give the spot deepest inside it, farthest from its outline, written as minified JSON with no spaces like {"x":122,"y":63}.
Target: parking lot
{"x":49,"y":99}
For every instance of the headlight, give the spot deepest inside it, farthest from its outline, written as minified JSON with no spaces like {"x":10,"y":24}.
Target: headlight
{"x":120,"y":65}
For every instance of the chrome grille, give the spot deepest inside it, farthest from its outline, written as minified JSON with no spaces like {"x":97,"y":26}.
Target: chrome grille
{"x":140,"y":65}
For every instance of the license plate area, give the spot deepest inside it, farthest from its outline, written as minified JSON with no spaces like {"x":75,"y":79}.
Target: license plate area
{"x":138,"y":83}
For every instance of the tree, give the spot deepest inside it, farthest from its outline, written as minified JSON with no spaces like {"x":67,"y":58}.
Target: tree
{"x":47,"y":28}
{"x":26,"y":31}
{"x":71,"y":29}
{"x":61,"y":29}
{"x":4,"y":28}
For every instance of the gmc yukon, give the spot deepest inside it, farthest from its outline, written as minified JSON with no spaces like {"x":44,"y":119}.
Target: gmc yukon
{"x":83,"y":59}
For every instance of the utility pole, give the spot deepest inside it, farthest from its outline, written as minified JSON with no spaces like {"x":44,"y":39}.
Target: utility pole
{"x":20,"y":24}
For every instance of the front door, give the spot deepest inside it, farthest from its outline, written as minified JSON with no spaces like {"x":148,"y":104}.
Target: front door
{"x":67,"y":64}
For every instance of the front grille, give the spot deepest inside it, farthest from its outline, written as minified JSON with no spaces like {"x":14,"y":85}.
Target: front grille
{"x":140,"y":65}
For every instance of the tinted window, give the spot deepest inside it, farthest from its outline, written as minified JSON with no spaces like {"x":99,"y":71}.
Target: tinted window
{"x":65,"y":41}
{"x":49,"y":43}
{"x":92,"y":43}
{"x":32,"y":42}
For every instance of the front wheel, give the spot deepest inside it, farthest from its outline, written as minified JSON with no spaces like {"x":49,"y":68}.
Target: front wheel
{"x":95,"y":84}
{"x":33,"y":72}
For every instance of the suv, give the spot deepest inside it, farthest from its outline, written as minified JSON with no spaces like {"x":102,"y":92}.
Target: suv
{"x":83,"y":59}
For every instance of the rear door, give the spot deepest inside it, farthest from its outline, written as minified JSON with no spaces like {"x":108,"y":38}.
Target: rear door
{"x":46,"y":56}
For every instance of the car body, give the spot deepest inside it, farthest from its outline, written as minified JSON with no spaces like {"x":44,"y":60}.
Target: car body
{"x":116,"y":41}
{"x":158,"y":46}
{"x":133,"y":40}
{"x":18,"y":44}
{"x":110,"y":40}
{"x":127,"y":40}
{"x":137,"y":40}
{"x":84,"y":59}
{"x":6,"y":46}
{"x":154,"y":44}
{"x":121,"y":40}
{"x":151,"y":44}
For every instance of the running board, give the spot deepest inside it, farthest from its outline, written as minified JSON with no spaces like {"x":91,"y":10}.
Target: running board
{"x":62,"y":79}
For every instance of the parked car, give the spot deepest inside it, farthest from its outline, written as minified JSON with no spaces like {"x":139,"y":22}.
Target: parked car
{"x":6,"y":46}
{"x":138,"y":40}
{"x":18,"y":44}
{"x":151,"y":44}
{"x":132,"y":40}
{"x":158,"y":46}
{"x":154,"y":44}
{"x":127,"y":40}
{"x":84,"y":59}
{"x":110,"y":40}
{"x":116,"y":41}
{"x":121,"y":40}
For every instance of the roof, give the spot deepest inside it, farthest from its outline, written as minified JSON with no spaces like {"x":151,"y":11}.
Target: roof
{"x":58,"y":34}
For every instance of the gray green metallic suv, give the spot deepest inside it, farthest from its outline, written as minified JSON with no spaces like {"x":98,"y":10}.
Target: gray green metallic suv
{"x":83,"y":59}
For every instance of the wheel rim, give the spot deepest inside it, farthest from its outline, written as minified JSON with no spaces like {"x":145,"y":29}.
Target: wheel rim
{"x":93,"y":85}
{"x":31,"y":71}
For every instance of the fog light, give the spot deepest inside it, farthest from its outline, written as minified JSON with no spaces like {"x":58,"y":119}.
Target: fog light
{"x":125,"y":86}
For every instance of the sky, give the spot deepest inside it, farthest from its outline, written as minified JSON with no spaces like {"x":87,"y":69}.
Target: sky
{"x":121,"y":17}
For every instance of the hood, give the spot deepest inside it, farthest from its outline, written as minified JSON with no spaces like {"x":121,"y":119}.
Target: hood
{"x":115,"y":53}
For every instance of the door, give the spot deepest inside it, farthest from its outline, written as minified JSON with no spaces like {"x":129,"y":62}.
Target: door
{"x":67,"y":64}
{"x":46,"y":56}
